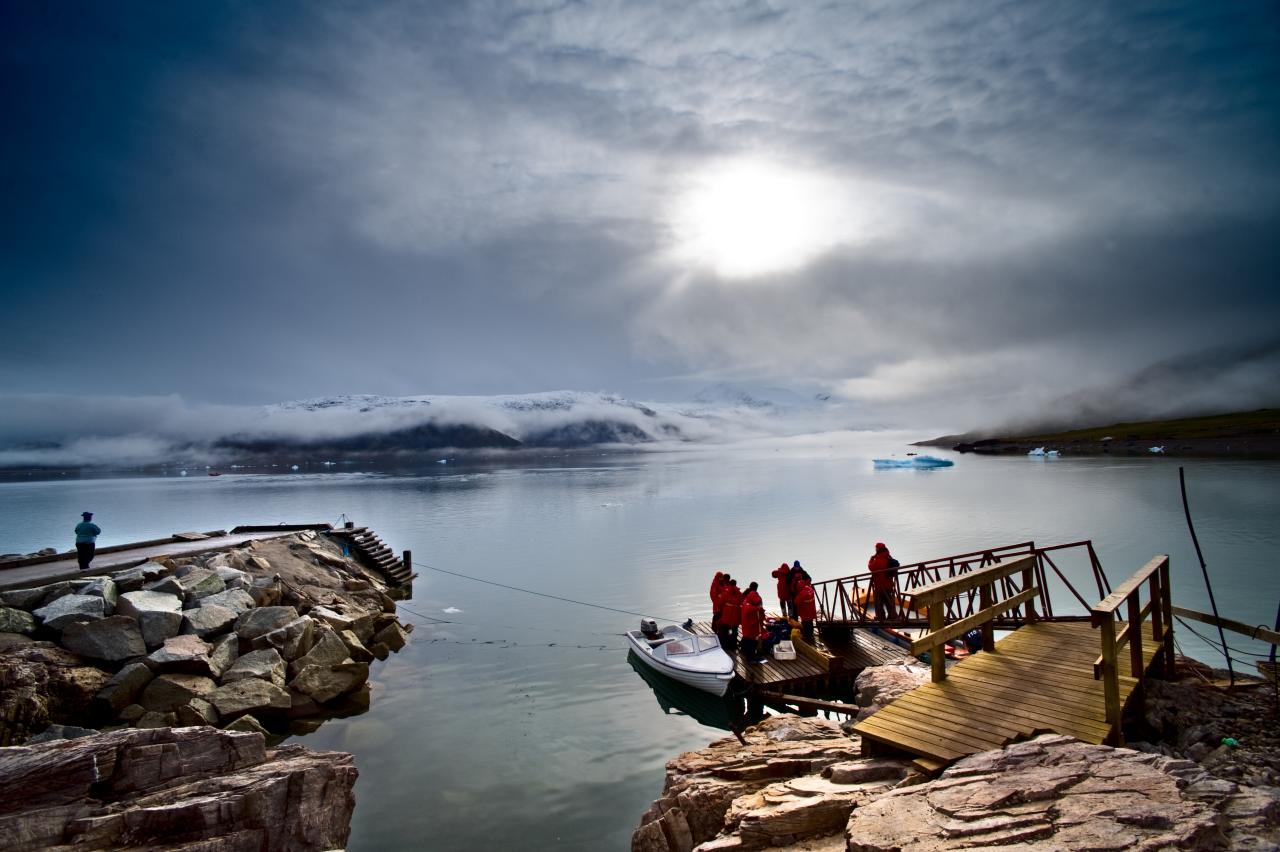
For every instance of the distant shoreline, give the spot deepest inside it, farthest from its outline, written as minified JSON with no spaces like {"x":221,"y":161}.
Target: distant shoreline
{"x":1251,"y":434}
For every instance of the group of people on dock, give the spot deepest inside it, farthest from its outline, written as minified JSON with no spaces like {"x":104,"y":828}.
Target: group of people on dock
{"x":732,"y":609}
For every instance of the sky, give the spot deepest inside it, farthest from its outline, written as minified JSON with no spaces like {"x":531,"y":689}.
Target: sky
{"x":952,"y":213}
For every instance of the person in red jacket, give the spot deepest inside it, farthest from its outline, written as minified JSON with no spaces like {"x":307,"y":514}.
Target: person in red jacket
{"x":880,"y":565}
{"x":806,"y":607}
{"x":783,"y":575}
{"x":717,"y":585}
{"x":752,"y":622}
{"x":730,"y":614}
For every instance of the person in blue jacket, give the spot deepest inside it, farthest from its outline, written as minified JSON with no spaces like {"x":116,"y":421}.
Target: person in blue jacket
{"x":87,"y":533}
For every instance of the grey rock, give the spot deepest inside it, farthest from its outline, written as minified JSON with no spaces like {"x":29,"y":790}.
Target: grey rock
{"x":159,"y":625}
{"x":27,"y":599}
{"x":13,"y":620}
{"x":197,"y":712}
{"x":152,"y":719}
{"x":232,"y":578}
{"x":167,"y":585}
{"x":69,"y":609}
{"x":136,"y":603}
{"x":266,"y":664}
{"x":187,"y":654}
{"x":200,"y":583}
{"x":266,"y":591}
{"x":237,"y":600}
{"x":60,"y":732}
{"x":133,"y":579}
{"x":132,"y":713}
{"x":168,"y":692}
{"x":393,"y":636}
{"x":249,"y":724}
{"x":262,"y":620}
{"x":249,"y":696}
{"x":325,"y":683}
{"x":355,"y":647}
{"x":327,"y":650}
{"x":292,"y":640}
{"x":124,"y":688}
{"x":111,"y":639}
{"x":205,"y":621}
{"x":105,"y":588}
{"x":224,"y":653}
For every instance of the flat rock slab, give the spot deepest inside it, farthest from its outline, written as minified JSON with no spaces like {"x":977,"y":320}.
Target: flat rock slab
{"x":167,"y":788}
{"x":250,"y":695}
{"x":111,"y":639}
{"x":69,"y":609}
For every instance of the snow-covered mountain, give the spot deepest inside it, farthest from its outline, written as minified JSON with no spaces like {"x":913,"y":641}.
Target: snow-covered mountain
{"x":160,"y":430}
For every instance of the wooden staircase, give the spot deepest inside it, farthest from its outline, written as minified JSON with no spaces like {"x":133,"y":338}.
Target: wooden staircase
{"x":365,"y":545}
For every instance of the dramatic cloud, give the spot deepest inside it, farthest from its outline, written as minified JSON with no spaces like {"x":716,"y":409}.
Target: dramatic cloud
{"x":952,"y":213}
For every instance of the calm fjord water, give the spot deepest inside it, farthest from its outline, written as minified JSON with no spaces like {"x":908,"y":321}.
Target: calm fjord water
{"x":521,"y":725}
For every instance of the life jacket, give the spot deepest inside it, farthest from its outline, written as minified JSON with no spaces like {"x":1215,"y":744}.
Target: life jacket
{"x":731,"y":607}
{"x":878,"y":564}
{"x":783,"y":573}
{"x":806,"y":604}
{"x":752,"y":616}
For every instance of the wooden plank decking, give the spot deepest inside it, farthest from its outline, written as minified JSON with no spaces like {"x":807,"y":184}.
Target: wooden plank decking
{"x":861,"y":650}
{"x":1038,"y":680}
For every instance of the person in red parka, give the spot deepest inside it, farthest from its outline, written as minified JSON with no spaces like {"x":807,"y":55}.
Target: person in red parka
{"x":783,"y":575}
{"x":717,"y":585}
{"x":752,"y":622}
{"x":730,"y":614}
{"x":806,"y":607}
{"x":880,"y":565}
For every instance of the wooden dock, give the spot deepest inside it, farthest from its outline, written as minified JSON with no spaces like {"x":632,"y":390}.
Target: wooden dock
{"x":1045,"y":677}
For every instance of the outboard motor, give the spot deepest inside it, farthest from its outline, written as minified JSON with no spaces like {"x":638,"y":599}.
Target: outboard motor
{"x":649,"y":628}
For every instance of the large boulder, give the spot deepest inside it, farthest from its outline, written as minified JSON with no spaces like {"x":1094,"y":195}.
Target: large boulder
{"x":105,"y":588}
{"x":42,"y":684}
{"x":292,"y":640}
{"x":264,"y":619}
{"x":880,"y":685}
{"x":29,"y":599}
{"x":250,"y":695}
{"x":159,"y":614}
{"x":224,"y":653}
{"x":133,"y":579}
{"x":200,"y":583}
{"x":266,"y":664}
{"x":13,"y":620}
{"x":328,"y":650}
{"x":188,"y":654}
{"x":70,"y":609}
{"x":183,"y":788}
{"x":124,"y":688}
{"x":232,"y":578}
{"x":325,"y":683}
{"x":237,"y":600}
{"x":111,"y":639}
{"x":168,"y":692}
{"x":205,"y":621}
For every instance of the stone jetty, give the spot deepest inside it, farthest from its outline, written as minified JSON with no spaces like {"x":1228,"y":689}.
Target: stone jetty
{"x":259,"y":638}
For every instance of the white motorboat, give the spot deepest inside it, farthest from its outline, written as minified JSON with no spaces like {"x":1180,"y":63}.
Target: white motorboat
{"x":695,"y":659}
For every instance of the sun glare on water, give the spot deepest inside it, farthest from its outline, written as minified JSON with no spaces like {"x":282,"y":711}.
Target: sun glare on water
{"x":749,"y":219}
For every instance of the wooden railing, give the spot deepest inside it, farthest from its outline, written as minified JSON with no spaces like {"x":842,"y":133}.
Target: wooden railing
{"x":988,"y":583}
{"x":1106,"y":614}
{"x":844,"y":599}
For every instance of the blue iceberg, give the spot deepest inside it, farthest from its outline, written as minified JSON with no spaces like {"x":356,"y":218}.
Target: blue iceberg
{"x":919,"y":463}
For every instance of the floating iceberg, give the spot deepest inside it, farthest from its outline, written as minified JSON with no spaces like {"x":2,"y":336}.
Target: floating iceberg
{"x":1159,"y":449}
{"x":919,"y":462}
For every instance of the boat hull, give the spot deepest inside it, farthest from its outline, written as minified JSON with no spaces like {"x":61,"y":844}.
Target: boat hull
{"x":716,"y":683}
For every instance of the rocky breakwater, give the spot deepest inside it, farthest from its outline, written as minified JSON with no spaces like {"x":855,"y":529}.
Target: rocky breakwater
{"x":802,"y":784}
{"x":270,"y":637}
{"x":174,"y":788}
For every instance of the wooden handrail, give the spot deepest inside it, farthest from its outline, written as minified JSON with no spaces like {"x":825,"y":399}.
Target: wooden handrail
{"x":945,"y":589}
{"x":1259,"y":632}
{"x":1154,"y":576}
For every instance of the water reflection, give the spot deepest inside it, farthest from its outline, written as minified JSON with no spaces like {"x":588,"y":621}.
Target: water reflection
{"x":723,"y":712}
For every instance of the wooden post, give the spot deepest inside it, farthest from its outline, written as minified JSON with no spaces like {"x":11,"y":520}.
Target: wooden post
{"x":1135,"y":635}
{"x":1028,"y":580}
{"x":1110,"y":684}
{"x":1166,"y":604}
{"x":1157,"y":622}
{"x":986,"y":600}
{"x":407,"y":559}
{"x":937,"y":659}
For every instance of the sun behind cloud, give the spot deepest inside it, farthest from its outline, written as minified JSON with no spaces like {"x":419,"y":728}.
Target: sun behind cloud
{"x":748,"y":218}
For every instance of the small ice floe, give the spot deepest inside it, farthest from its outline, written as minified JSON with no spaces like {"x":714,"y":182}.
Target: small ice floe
{"x":1052,"y":454}
{"x":1038,"y":451}
{"x":450,"y":610}
{"x":1108,"y":438}
{"x":442,"y":461}
{"x":919,"y":463}
{"x":1159,"y":449}
{"x":608,"y":505}
{"x":293,"y":467}
{"x":328,"y":464}
{"x":182,"y":473}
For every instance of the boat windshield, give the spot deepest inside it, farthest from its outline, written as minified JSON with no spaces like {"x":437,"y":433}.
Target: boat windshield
{"x":694,"y":644}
